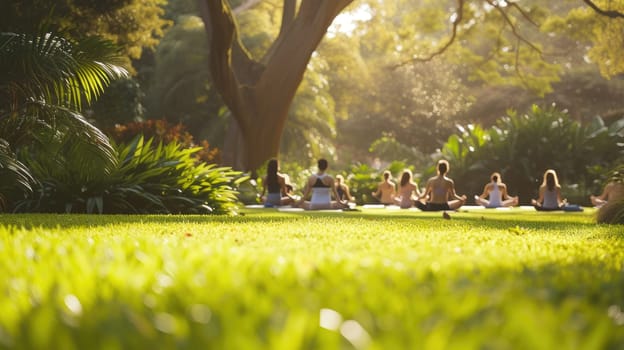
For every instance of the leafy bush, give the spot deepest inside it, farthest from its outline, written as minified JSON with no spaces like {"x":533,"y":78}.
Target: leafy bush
{"x":162,"y":130}
{"x":147,"y":178}
{"x":171,"y":179}
{"x":44,"y":82}
{"x":388,"y":147}
{"x":120,"y":103}
{"x":362,"y":179}
{"x":15,"y":178}
{"x":522,"y":147}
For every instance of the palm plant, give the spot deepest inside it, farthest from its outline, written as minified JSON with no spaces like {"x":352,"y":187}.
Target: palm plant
{"x":44,"y":82}
{"x":14,"y":175}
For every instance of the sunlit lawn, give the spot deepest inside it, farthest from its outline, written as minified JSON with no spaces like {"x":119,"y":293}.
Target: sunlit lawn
{"x":375,"y":279}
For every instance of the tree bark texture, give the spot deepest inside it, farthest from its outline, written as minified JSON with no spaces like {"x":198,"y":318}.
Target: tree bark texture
{"x":260,"y":92}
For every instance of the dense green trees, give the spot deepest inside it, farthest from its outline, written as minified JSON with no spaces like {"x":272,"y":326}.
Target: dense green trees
{"x":132,"y":25}
{"x":495,"y":42}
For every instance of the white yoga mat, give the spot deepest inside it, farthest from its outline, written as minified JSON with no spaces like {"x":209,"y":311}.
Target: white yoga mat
{"x":373,"y":206}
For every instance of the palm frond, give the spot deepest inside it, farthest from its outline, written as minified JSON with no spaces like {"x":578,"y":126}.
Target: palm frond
{"x":15,"y":177}
{"x":53,"y":69}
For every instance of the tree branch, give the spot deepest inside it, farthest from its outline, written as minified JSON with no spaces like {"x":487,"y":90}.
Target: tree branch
{"x":517,"y":67}
{"x":224,"y":44}
{"x":524,"y":14}
{"x":513,"y":27}
{"x":245,"y":69}
{"x":607,"y":13}
{"x":441,"y":50}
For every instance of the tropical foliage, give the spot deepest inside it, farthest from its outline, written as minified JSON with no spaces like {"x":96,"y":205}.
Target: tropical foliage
{"x":162,"y":130}
{"x":132,"y":25}
{"x":120,"y":103}
{"x":146,"y":178}
{"x":45,"y":81}
{"x":522,"y":147}
{"x":15,"y":178}
{"x":166,"y":178}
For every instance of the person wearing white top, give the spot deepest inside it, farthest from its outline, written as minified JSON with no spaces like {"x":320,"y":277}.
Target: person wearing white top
{"x":496,"y":194}
{"x":321,"y":187}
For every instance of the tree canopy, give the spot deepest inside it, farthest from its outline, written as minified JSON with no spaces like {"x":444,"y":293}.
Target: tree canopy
{"x":495,"y":41}
{"x":132,"y":25}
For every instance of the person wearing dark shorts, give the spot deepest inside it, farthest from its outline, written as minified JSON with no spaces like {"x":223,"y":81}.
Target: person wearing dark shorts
{"x":440,"y":192}
{"x":432,"y":206}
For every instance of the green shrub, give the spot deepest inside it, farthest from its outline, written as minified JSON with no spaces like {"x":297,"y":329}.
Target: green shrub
{"x":162,"y":130}
{"x":522,"y":147}
{"x":388,"y":147}
{"x":362,"y":179}
{"x":147,"y":178}
{"x":15,"y":178}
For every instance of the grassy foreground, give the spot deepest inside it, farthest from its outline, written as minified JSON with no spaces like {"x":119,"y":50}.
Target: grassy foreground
{"x":375,"y":279}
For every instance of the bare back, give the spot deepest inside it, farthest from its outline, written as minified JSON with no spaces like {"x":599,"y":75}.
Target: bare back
{"x":439,"y":189}
{"x":386,"y":191}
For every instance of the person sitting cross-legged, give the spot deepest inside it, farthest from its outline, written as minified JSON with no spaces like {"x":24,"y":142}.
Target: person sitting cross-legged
{"x":440,"y":192}
{"x":496,"y":194}
{"x":275,"y":187}
{"x":386,"y":190}
{"x":549,"y":193}
{"x":321,"y":188}
{"x":342,"y":189}
{"x":408,"y":191}
{"x":612,"y":191}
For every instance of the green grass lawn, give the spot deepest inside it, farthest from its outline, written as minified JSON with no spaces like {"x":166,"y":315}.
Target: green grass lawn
{"x":376,"y":279}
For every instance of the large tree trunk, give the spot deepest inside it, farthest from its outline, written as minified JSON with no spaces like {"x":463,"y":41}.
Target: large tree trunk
{"x":259,"y":93}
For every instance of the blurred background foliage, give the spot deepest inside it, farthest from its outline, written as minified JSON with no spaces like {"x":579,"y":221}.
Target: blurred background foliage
{"x":367,"y":102}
